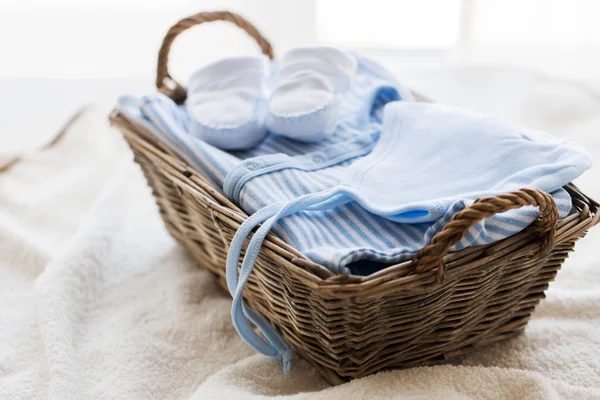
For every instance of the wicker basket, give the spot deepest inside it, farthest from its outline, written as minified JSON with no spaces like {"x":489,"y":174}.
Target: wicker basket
{"x":419,"y":312}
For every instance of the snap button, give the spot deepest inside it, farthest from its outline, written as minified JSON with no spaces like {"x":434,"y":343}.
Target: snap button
{"x":318,"y":158}
{"x":251,"y":165}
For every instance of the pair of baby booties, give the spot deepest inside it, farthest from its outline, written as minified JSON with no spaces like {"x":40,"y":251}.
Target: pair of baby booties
{"x":234,"y":102}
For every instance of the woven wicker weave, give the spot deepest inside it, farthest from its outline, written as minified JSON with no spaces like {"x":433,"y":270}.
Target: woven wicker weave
{"x":418,"y":312}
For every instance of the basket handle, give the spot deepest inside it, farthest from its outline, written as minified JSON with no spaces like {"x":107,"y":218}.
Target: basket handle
{"x":431,"y":256}
{"x":164,"y":82}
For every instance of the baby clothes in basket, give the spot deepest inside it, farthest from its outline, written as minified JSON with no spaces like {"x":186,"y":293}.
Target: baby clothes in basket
{"x":322,"y":188}
{"x":280,"y":169}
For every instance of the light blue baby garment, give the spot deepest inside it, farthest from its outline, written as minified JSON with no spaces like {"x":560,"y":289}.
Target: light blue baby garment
{"x":430,"y":161}
{"x":431,"y":156}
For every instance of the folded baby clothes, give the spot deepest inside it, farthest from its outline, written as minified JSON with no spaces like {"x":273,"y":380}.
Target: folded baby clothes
{"x":430,"y":162}
{"x":280,"y":170}
{"x":431,"y":156}
{"x":336,"y":201}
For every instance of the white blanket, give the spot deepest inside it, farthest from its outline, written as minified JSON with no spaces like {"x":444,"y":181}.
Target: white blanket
{"x":97,"y":301}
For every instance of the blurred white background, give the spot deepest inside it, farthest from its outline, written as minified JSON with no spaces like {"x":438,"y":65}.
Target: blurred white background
{"x":57,"y":55}
{"x":119,"y":38}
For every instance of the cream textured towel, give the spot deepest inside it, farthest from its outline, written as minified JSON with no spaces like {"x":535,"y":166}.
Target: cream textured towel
{"x":97,"y":301}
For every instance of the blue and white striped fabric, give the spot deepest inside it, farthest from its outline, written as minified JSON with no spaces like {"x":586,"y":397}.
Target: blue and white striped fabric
{"x":346,"y":239}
